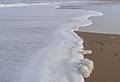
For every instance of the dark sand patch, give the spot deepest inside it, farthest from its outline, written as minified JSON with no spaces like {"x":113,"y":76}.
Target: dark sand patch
{"x":106,"y":56}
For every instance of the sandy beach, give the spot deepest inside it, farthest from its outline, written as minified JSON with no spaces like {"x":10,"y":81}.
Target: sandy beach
{"x":106,"y":56}
{"x":38,"y":43}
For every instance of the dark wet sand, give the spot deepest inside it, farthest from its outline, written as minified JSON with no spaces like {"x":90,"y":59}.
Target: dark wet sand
{"x":106,"y":56}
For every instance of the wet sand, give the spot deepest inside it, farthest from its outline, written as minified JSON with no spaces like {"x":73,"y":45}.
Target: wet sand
{"x":106,"y":56}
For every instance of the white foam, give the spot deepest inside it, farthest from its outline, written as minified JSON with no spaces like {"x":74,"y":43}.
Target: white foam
{"x":24,"y":4}
{"x":63,"y":61}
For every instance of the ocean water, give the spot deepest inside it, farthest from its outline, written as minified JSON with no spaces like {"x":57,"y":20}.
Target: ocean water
{"x":19,"y":3}
{"x":38,"y":43}
{"x":35,"y":1}
{"x":108,"y":23}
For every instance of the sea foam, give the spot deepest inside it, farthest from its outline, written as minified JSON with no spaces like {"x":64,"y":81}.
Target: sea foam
{"x":23,"y":4}
{"x":64,"y":63}
{"x":72,"y":44}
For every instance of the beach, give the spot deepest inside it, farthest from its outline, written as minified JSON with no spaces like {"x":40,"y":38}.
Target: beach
{"x":38,"y":43}
{"x":103,"y":37}
{"x":106,"y":56}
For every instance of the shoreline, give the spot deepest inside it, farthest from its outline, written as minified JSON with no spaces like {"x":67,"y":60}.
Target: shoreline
{"x":105,"y":55}
{"x":38,"y":37}
{"x":51,"y":58}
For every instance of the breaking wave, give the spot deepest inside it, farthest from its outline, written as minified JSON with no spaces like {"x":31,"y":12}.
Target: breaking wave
{"x":57,"y":4}
{"x":22,"y":5}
